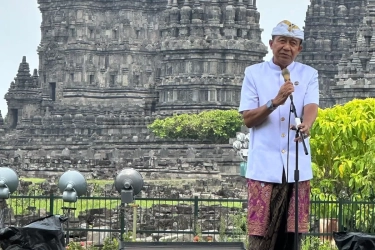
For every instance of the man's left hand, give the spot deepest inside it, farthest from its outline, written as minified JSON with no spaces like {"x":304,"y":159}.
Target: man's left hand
{"x":304,"y":130}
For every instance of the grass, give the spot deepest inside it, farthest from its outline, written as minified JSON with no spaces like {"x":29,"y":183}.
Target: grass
{"x":23,"y":206}
{"x":41,"y":180}
{"x":34,"y":202}
{"x":33,"y":180}
{"x":174,"y":182}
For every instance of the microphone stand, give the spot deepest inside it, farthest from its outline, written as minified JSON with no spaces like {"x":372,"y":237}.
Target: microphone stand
{"x":296,"y":171}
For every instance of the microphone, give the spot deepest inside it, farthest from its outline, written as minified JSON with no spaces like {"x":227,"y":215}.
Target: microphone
{"x":286,"y":75}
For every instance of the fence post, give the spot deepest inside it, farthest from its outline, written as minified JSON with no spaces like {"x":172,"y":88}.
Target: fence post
{"x":51,"y":201}
{"x":122,"y":222}
{"x":135,"y":210}
{"x":195,"y":214}
{"x":340,"y":214}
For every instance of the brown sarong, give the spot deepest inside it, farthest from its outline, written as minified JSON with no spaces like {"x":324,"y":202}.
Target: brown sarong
{"x":271,"y":212}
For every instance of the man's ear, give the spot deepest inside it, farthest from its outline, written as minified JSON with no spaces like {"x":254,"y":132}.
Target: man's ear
{"x":270,"y":42}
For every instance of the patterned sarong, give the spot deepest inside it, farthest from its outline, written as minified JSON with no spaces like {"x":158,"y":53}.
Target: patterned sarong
{"x":268,"y":221}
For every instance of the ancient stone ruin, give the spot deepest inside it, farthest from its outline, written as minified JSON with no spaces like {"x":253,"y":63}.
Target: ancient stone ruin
{"x":109,"y":68}
{"x":338,"y":43}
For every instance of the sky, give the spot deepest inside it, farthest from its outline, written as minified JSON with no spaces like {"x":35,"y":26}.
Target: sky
{"x":20,"y":33}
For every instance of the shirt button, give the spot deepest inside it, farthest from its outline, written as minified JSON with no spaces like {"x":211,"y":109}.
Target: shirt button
{"x":282,"y":119}
{"x":283,"y":151}
{"x":282,"y":135}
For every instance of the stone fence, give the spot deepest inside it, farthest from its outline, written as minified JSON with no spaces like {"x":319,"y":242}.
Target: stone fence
{"x":152,"y":160}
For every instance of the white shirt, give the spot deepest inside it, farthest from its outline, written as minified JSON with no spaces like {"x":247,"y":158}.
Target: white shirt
{"x":268,"y":145}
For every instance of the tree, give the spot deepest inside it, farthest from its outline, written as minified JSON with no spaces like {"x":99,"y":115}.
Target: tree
{"x":215,"y":125}
{"x":343,"y":149}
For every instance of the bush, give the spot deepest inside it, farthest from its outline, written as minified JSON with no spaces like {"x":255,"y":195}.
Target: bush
{"x":216,"y":126}
{"x":343,"y":150}
{"x":80,"y":246}
{"x":314,"y":243}
{"x":109,"y":244}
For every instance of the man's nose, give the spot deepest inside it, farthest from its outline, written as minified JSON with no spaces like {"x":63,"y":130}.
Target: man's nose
{"x":287,"y":46}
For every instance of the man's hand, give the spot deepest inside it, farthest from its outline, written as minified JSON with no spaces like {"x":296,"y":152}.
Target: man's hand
{"x":285,"y":91}
{"x":304,"y":130}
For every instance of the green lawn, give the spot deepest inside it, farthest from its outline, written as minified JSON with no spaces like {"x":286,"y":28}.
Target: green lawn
{"x":27,"y":205}
{"x":41,"y":180}
{"x":174,"y":182}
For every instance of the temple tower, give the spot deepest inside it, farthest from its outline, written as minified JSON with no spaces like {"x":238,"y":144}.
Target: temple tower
{"x":205,"y":48}
{"x":98,"y":54}
{"x":23,"y":96}
{"x":116,"y":65}
{"x":330,"y":31}
{"x":356,"y":69}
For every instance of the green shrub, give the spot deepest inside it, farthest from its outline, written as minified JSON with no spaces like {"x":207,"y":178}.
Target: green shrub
{"x":215,"y":125}
{"x":110,"y":244}
{"x":314,"y":243}
{"x":79,"y":246}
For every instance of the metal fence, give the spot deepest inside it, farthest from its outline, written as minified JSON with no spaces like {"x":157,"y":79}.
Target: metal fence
{"x":92,"y":219}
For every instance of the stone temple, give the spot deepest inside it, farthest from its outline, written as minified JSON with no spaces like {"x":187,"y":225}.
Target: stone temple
{"x":340,"y":44}
{"x":107,"y":69}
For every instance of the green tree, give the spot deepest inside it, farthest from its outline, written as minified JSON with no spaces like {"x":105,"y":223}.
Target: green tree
{"x":342,"y":147}
{"x":215,"y":125}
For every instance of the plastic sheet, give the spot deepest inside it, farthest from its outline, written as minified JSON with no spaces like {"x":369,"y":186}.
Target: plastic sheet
{"x":354,"y":241}
{"x":42,"y":234}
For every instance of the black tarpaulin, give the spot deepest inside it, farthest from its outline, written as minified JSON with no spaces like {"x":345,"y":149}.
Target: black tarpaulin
{"x":354,"y":241}
{"x":42,"y":234}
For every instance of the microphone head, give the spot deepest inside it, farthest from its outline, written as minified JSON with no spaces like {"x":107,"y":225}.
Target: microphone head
{"x":286,"y":74}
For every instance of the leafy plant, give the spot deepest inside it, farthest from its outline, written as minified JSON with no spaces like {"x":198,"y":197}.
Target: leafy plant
{"x":75,"y":246}
{"x":80,"y":246}
{"x":215,"y":125}
{"x":364,"y":218}
{"x":314,"y":243}
{"x":110,"y":244}
{"x":128,"y":237}
{"x":343,"y":150}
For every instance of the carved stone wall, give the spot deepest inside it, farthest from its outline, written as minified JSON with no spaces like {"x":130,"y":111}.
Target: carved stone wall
{"x":205,"y":48}
{"x":356,"y":69}
{"x":142,"y":57}
{"x":98,"y":54}
{"x":103,"y":157}
{"x":330,"y":31}
{"x":107,"y":69}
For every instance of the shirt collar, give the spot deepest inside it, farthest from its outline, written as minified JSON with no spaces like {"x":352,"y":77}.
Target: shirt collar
{"x":277,"y":67}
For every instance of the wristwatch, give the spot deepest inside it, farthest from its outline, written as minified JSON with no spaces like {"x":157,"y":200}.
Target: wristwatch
{"x":270,"y":105}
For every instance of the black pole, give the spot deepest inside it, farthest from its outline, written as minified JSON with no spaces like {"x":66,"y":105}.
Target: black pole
{"x":67,"y":233}
{"x":296,"y":171}
{"x":122,"y":224}
{"x":296,"y":179}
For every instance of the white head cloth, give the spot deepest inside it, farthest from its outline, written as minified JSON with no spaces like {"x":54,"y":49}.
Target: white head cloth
{"x":286,"y":28}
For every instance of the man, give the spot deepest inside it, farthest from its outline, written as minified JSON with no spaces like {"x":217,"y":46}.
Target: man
{"x":265,"y":106}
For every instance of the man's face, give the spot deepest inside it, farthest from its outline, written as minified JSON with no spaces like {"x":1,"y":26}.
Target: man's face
{"x":285,"y":50}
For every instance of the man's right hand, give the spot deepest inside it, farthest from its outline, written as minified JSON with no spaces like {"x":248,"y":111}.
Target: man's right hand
{"x":285,"y":91}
